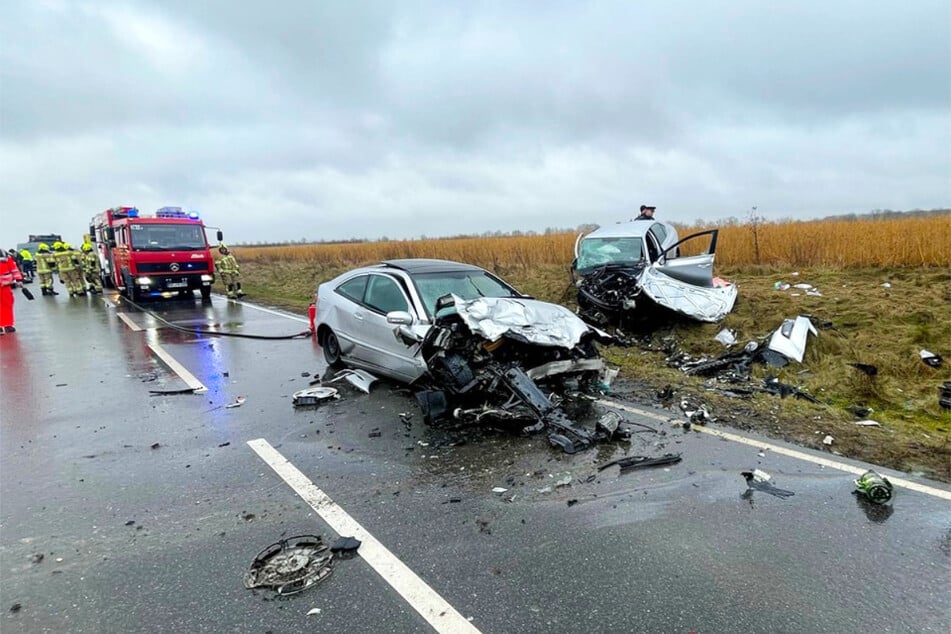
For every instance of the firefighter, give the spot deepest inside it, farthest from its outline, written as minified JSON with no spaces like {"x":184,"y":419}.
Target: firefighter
{"x":90,"y":261}
{"x":45,"y":265}
{"x":227,"y":268}
{"x":27,"y":265}
{"x":69,"y":271}
{"x":10,"y":278}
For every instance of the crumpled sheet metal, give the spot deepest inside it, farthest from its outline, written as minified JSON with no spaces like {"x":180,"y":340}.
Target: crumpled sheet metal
{"x":534,"y":321}
{"x":702,"y":304}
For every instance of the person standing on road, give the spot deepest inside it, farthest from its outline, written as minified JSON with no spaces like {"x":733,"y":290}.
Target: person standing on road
{"x":27,"y":265}
{"x":45,"y":265}
{"x":68,"y":267}
{"x":227,"y":268}
{"x":10,"y":278}
{"x":647,"y":213}
{"x":91,"y":268}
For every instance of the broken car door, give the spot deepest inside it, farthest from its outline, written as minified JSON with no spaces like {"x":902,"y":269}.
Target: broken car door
{"x":383,"y":349}
{"x":685,"y":284}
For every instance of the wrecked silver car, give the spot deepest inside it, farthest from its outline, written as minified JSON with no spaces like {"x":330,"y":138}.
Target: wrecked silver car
{"x":472,"y":346}
{"x":631,"y":268}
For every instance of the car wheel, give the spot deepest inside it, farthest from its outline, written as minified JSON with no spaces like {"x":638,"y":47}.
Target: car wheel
{"x":331,"y":348}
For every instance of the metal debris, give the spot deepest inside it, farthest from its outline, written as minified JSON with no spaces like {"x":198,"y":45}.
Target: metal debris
{"x":930,"y":358}
{"x":360,"y":379}
{"x":630,"y":463}
{"x":875,"y":487}
{"x":290,"y":565}
{"x":238,"y":402}
{"x":760,"y":481}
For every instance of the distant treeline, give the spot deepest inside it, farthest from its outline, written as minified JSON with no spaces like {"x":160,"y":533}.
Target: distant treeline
{"x":732,"y":221}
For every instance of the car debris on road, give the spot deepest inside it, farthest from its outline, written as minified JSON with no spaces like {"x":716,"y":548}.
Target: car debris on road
{"x":290,"y":565}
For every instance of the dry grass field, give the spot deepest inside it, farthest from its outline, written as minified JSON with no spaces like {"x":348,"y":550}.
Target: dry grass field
{"x":847,"y":261}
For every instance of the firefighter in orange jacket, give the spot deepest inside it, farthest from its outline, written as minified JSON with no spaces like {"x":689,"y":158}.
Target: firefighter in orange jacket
{"x":10,"y":278}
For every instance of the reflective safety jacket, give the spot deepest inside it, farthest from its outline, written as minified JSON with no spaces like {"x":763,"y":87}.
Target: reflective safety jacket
{"x":9,"y":271}
{"x":45,"y":261}
{"x":90,"y":262}
{"x":227,"y":264}
{"x":65,"y":260}
{"x":26,"y":255}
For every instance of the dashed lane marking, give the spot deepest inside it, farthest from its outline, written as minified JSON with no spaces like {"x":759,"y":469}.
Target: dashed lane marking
{"x":825,"y":462}
{"x":128,"y":322}
{"x":437,"y":611}
{"x":178,"y":368}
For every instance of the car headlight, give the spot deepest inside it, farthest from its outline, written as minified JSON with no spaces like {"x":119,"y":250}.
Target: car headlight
{"x":144,"y":281}
{"x":207,"y":278}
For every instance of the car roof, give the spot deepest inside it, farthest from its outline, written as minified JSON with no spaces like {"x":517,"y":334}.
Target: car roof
{"x":632,"y":229}
{"x":425,"y":265}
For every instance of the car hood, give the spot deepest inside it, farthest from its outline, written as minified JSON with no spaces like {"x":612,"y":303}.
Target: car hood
{"x":529,"y":320}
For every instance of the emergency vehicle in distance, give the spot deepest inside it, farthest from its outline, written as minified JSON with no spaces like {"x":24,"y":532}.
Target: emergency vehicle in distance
{"x":153,"y":256}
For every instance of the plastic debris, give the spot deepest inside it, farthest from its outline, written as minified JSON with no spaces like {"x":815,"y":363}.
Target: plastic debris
{"x":780,"y":286}
{"x":313,"y":611}
{"x":727,"y":337}
{"x":499,"y":490}
{"x":875,"y":487}
{"x":931,"y":359}
{"x":345,"y":544}
{"x":760,"y":481}
{"x":290,"y":565}
{"x":868,"y":423}
{"x":886,"y":284}
{"x":238,"y":402}
{"x":944,"y":395}
{"x":630,"y":463}
{"x":790,"y":339}
{"x":563,"y":482}
{"x":360,"y":379}
{"x":828,"y":440}
{"x":314,"y":396}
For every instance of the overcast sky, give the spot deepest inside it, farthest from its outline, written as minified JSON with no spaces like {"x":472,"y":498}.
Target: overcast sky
{"x":325,"y":120}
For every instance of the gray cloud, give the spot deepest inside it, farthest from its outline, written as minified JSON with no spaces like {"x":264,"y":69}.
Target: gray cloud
{"x":331,"y":120}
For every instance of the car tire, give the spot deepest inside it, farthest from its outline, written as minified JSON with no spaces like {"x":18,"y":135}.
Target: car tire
{"x":331,"y":348}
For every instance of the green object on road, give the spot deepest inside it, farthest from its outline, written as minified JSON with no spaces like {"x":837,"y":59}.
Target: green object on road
{"x":875,"y":487}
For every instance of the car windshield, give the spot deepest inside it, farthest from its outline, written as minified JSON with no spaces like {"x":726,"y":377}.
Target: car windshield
{"x":600,"y":251}
{"x":170,"y":237}
{"x":464,"y":284}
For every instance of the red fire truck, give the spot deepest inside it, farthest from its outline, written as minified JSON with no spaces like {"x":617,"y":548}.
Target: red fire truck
{"x":159,"y":255}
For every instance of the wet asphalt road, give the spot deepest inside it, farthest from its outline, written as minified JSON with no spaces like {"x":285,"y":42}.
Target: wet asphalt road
{"x":141,"y":539}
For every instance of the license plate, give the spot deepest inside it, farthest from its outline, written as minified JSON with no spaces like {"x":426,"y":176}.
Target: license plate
{"x":177,"y":285}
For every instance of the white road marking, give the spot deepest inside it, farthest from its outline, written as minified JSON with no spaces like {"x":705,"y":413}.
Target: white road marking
{"x":273,"y":312}
{"x":128,"y":322}
{"x":825,"y":462}
{"x":178,"y":368}
{"x":432,"y":607}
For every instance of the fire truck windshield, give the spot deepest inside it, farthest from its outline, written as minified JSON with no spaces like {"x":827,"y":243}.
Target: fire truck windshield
{"x":170,"y":237}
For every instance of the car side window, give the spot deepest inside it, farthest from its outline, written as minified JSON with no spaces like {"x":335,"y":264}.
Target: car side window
{"x":660,"y":233}
{"x":384,"y":294}
{"x":353,"y":289}
{"x":653,"y":247}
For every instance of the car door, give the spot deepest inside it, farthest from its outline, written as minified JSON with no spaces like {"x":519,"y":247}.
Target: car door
{"x":384,"y":294}
{"x":347,"y":318}
{"x":685,"y":283}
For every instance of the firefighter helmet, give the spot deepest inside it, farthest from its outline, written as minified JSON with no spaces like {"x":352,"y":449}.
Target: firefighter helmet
{"x":43,"y":247}
{"x":67,"y":246}
{"x":57,"y":246}
{"x":86,"y":246}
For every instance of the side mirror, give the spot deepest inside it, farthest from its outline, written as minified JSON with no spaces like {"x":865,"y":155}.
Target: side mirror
{"x":399,"y":318}
{"x":92,"y":233}
{"x":221,"y":236}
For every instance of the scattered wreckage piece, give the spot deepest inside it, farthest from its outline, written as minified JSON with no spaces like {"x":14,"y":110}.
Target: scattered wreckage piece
{"x":930,"y":358}
{"x":772,"y":385}
{"x":790,"y":339}
{"x":615,"y":265}
{"x":875,"y":487}
{"x":290,"y":565}
{"x":630,"y":463}
{"x":314,"y":396}
{"x":360,"y":379}
{"x":944,"y":395}
{"x":757,"y":480}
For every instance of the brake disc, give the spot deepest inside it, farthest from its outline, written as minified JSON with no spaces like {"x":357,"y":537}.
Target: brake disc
{"x":290,"y":565}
